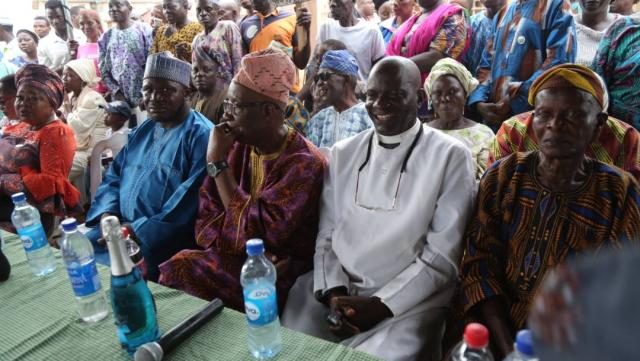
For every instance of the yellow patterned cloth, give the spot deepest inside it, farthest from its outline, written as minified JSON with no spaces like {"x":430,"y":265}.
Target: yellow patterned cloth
{"x":161,"y":42}
{"x":571,"y":76}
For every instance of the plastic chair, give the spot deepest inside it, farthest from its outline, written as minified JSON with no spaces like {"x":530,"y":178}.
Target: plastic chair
{"x":115,"y":143}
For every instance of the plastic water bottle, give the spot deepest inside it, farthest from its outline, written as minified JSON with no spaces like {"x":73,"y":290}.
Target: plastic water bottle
{"x":78,"y":256}
{"x":26,"y":219}
{"x":133,"y":306}
{"x":523,"y":348}
{"x":258,"y":280}
{"x":474,"y":345}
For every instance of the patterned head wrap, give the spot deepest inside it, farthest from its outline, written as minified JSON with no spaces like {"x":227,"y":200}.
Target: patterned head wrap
{"x":340,"y":61}
{"x":571,"y":76}
{"x":448,"y":66}
{"x":269,"y":72}
{"x":86,"y":70}
{"x":166,"y":66}
{"x":43,"y":79}
{"x":214,"y":56}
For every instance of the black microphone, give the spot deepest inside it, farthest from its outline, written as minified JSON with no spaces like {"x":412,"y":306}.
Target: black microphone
{"x":155,"y":351}
{"x":5,"y":267}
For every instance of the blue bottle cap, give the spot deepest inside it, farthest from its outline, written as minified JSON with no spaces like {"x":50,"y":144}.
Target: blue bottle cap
{"x":524,"y":343}
{"x":255,"y":247}
{"x":69,"y":225}
{"x":18,"y":197}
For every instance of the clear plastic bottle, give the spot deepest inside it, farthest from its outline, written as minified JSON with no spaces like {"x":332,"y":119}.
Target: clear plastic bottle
{"x":523,"y":348}
{"x":258,"y":278}
{"x":78,"y":256}
{"x":133,"y":306}
{"x":474,"y":345}
{"x":26,"y":219}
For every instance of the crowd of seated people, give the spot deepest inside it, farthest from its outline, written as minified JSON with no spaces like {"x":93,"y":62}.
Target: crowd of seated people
{"x":429,"y":169}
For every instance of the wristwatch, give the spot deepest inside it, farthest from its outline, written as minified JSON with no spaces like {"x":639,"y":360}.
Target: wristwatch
{"x":215,"y":168}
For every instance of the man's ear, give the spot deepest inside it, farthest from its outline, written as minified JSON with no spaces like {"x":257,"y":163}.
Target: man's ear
{"x":601,"y":120}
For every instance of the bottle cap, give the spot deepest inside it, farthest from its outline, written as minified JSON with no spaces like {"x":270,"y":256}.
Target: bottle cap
{"x":255,"y":247}
{"x":125,"y":232}
{"x":69,"y":225}
{"x":476,"y":335}
{"x":18,"y":197}
{"x":524,"y":343}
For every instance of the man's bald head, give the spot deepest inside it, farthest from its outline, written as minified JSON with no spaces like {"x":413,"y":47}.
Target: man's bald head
{"x":404,"y":68}
{"x":392,"y":95}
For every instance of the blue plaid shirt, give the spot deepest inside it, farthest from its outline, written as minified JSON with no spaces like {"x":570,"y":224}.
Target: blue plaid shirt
{"x":328,"y":126}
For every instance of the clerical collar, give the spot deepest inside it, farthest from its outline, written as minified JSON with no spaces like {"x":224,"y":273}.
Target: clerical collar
{"x":417,"y":129}
{"x":391,"y":141}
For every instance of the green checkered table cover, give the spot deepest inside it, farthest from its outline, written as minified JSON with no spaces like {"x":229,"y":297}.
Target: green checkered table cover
{"x":38,"y":321}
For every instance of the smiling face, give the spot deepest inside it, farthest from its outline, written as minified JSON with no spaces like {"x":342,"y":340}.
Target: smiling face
{"x":90,"y":27}
{"x":392,"y":95}
{"x":332,"y":88}
{"x":164,"y":99}
{"x":566,"y":121}
{"x":27,"y":44}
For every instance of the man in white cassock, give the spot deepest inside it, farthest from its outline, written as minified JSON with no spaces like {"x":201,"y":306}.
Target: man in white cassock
{"x":394,"y":207}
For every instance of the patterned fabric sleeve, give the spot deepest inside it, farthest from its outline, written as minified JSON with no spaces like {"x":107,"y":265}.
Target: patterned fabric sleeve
{"x":452,"y":37}
{"x":155,"y":45}
{"x":313,"y":128}
{"x":626,"y":228}
{"x":560,"y":48}
{"x":631,"y":144}
{"x":502,"y":145}
{"x":483,"y":265}
{"x":105,"y":63}
{"x":483,"y":70}
{"x":275,"y":212}
{"x":234,"y":39}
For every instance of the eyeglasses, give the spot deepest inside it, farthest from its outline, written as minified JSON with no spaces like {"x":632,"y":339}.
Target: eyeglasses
{"x":394,"y":203}
{"x":324,"y":76}
{"x":234,"y":108}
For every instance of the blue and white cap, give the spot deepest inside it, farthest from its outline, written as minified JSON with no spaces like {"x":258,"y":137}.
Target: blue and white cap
{"x":18,"y":197}
{"x":340,"y":61}
{"x":69,"y":224}
{"x":166,"y":66}
{"x":255,"y":247}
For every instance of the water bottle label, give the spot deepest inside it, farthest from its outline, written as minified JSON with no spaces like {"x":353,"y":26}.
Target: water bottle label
{"x":33,"y":237}
{"x":84,"y":278}
{"x":260,"y":304}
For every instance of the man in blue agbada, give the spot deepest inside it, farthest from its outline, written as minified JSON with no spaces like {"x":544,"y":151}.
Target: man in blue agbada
{"x":152,"y":185}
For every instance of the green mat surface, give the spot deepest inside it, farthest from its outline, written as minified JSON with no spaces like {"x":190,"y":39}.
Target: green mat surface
{"x":38,"y":321}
